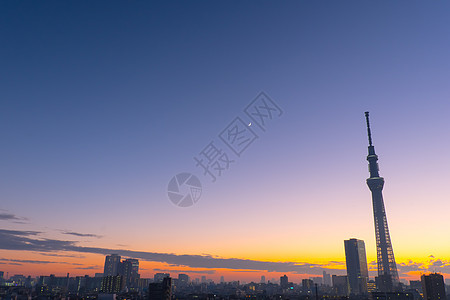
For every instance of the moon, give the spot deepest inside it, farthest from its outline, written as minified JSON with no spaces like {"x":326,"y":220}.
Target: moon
{"x":250,"y":124}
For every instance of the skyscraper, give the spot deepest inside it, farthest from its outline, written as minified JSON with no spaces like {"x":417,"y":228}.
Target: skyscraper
{"x":112,"y":265}
{"x":284,"y":282}
{"x":160,"y":290}
{"x":357,"y":272}
{"x":326,"y":279}
{"x":307,"y":285}
{"x":433,"y":287}
{"x":387,"y":269}
{"x":130,"y":271}
{"x":183,"y":279}
{"x":158,"y":277}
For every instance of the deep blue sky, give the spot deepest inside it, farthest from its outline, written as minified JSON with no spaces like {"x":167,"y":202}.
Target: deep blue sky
{"x":103,"y":102}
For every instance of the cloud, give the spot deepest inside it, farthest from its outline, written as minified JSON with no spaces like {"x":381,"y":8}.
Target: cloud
{"x":19,"y":232}
{"x":28,"y":261}
{"x":62,"y":255}
{"x":438,"y":263}
{"x":81,"y":234}
{"x":30,"y":241}
{"x":6,"y":216}
{"x":410,"y":266}
{"x":89,"y":268}
{"x":433,"y":264}
{"x":24,"y":240}
{"x":185,"y":271}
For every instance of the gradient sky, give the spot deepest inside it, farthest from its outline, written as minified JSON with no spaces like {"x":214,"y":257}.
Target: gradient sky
{"x":101,"y":103}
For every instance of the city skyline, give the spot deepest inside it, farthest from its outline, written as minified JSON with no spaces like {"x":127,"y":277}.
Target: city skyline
{"x":98,"y":115}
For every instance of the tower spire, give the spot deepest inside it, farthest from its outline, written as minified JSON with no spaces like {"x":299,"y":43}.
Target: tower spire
{"x":369,"y":134}
{"x":387,"y":268}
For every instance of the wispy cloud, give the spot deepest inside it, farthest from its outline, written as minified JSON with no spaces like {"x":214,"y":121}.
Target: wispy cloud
{"x":25,"y":240}
{"x":89,"y":268}
{"x":7,"y":216}
{"x":62,"y":255}
{"x":185,"y":271}
{"x":81,"y":234}
{"x":27,"y":261}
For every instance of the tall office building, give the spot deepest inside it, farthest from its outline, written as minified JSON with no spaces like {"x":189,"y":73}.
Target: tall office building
{"x":326,"y":278}
{"x":307,"y":285}
{"x":433,"y":287}
{"x":357,"y":272}
{"x":158,"y":277}
{"x":130,"y":271}
{"x":183,"y":280}
{"x":284,"y":282}
{"x":160,"y":290}
{"x":387,"y":269}
{"x":263,"y":279}
{"x":112,"y":265}
{"x":317,"y":280}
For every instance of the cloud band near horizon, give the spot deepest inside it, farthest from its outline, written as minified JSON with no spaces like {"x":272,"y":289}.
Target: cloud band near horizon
{"x":22,"y":240}
{"x":29,"y":241}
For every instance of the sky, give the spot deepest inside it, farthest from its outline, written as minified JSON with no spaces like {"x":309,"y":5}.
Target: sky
{"x":103,"y":103}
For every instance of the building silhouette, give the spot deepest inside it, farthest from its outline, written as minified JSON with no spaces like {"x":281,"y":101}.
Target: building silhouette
{"x":112,"y":284}
{"x":130,"y":271}
{"x":316,"y":280}
{"x":356,"y":261}
{"x":183,"y":280}
{"x":112,"y":265}
{"x":326,"y":278}
{"x":284,"y":282}
{"x":307,"y":285}
{"x":433,"y":287}
{"x":161,"y":290}
{"x":158,"y":277}
{"x":387,"y":269}
{"x":416,"y":285}
{"x":393,"y":296}
{"x":340,"y":285}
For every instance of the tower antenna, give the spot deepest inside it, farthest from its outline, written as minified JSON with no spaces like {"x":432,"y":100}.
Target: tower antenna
{"x":368,"y":128}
